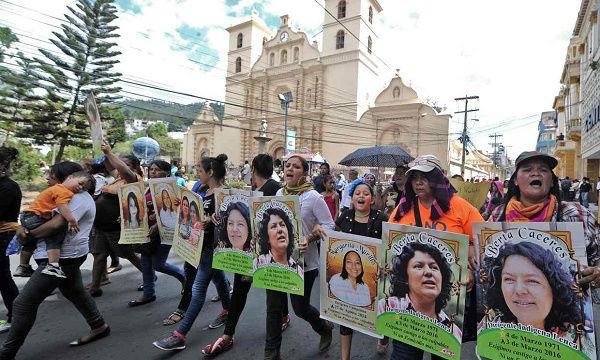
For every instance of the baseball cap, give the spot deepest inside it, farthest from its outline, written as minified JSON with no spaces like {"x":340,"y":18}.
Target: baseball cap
{"x":424,"y":163}
{"x":527,"y":155}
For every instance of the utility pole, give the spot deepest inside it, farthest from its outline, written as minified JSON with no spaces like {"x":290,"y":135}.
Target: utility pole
{"x":285,"y":98}
{"x":495,"y":144}
{"x":464,"y":132}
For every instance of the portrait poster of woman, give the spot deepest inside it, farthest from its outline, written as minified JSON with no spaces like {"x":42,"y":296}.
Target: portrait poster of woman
{"x":235,"y":247}
{"x":165,"y":197}
{"x":187,"y":237}
{"x":529,"y":301}
{"x":134,"y":217}
{"x":277,"y":229}
{"x":348,"y":268}
{"x":421,"y":295}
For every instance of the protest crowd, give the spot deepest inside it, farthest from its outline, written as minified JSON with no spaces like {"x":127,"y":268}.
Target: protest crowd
{"x":109,"y":208}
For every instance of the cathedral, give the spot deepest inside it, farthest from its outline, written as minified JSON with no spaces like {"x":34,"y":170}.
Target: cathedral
{"x":339,"y":95}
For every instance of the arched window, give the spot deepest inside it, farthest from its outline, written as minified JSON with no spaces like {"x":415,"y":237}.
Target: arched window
{"x":296,"y":53}
{"x":238,"y":64}
{"x":284,"y":56}
{"x":369,"y":44}
{"x":240,"y":40}
{"x":370,"y":14}
{"x":272,"y":59}
{"x":342,"y":9}
{"x":339,"y":39}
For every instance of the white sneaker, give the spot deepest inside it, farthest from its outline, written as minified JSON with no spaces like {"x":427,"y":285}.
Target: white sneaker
{"x":54,"y":271}
{"x":4,"y":326}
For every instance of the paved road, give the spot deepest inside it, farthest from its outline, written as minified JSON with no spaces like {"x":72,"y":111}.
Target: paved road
{"x":134,"y":329}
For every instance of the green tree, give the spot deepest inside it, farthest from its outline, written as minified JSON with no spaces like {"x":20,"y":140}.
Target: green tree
{"x":7,"y":37}
{"x":27,"y":165}
{"x":86,"y":65}
{"x":168,"y":147}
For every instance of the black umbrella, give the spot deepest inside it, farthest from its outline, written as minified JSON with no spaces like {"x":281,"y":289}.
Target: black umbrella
{"x":378,"y":156}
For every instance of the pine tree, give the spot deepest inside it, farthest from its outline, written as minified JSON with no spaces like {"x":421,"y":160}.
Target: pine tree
{"x":85,"y":65}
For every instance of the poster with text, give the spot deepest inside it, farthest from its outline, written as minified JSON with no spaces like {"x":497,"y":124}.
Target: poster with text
{"x":134,"y":217}
{"x":531,"y":306}
{"x":187,"y":238}
{"x":277,"y":228}
{"x":348,"y":280}
{"x":474,"y":193}
{"x":235,"y":250}
{"x":91,"y":109}
{"x":165,"y":197}
{"x":421,"y":301}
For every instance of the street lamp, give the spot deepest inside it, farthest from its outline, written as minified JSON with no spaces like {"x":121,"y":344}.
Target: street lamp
{"x":286,"y":98}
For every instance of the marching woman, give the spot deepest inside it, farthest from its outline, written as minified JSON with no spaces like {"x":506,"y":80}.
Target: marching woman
{"x":212,"y":172}
{"x":361,"y":220}
{"x":430,"y":201}
{"x":315,"y":216}
{"x":534,"y":196}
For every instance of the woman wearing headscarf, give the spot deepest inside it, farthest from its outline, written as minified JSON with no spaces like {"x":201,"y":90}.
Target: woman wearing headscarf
{"x":496,"y":198}
{"x":10,"y":193}
{"x":430,"y":201}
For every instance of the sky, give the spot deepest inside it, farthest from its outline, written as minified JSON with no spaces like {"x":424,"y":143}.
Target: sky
{"x":509,"y":53}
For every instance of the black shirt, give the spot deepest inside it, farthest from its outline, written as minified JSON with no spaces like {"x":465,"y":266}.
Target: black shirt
{"x":346,"y":223}
{"x":270,"y":188}
{"x":107,"y":212}
{"x":361,"y":229}
{"x":10,"y":193}
{"x":209,"y":231}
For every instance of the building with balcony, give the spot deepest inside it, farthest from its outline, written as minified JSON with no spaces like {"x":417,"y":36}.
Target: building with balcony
{"x":546,"y":132}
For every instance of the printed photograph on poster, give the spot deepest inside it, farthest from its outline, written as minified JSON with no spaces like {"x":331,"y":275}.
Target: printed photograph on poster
{"x":91,"y":109}
{"x":165,"y":197}
{"x":134,"y":217}
{"x":531,"y":305}
{"x":421,"y":300}
{"x":187,"y":237}
{"x":235,"y":250}
{"x":277,"y":229}
{"x":349,"y":267}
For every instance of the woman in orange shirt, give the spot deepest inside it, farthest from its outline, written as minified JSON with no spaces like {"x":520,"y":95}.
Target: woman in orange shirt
{"x":430,"y":201}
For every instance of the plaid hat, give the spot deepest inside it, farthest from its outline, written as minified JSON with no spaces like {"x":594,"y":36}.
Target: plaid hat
{"x":527,"y":155}
{"x":424,"y":163}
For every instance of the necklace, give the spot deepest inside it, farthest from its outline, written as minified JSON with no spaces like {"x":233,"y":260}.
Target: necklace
{"x":358,"y":215}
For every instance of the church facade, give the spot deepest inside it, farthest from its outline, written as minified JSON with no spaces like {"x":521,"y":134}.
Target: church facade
{"x":342,"y":95}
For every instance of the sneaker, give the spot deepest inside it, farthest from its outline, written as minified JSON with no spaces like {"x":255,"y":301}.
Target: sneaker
{"x":52,"y":270}
{"x":23,"y":271}
{"x":215,"y":298}
{"x":220,"y":320}
{"x":4,"y":326}
{"x":175,"y":341}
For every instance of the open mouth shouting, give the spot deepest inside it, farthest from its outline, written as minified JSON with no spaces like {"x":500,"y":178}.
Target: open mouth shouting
{"x":536,"y":183}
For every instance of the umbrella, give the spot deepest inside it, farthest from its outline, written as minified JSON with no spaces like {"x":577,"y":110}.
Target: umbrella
{"x":378,"y":156}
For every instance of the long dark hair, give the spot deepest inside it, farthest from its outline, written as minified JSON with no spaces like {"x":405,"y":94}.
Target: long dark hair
{"x":564,"y":308}
{"x":181,"y":207}
{"x":399,"y":275}
{"x":513,"y":191}
{"x":7,"y":155}
{"x":344,"y":273}
{"x":131,"y":196}
{"x":245,"y":211}
{"x":442,"y":193}
{"x":216,"y":164}
{"x":263,"y":234}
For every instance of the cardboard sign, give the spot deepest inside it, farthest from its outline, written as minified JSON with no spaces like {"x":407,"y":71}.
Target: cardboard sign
{"x":277,"y":229}
{"x":93,"y":114}
{"x":188,"y":235}
{"x":349,"y":267}
{"x":531,"y":306}
{"x":474,"y":193}
{"x":431,"y":265}
{"x":134,"y":217}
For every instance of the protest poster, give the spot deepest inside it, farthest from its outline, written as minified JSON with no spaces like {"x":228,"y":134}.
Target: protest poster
{"x":348,"y":280}
{"x":165,"y":195}
{"x":277,"y":229}
{"x":531,"y":306}
{"x":474,"y":193}
{"x":421,"y":301}
{"x":134,"y":217}
{"x":187,"y":237}
{"x":91,"y":109}
{"x":235,"y":250}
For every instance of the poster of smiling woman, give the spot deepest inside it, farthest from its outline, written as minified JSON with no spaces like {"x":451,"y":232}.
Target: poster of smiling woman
{"x":134,"y":217}
{"x":165,"y":193}
{"x":277,"y":229}
{"x":531,"y":305}
{"x":187,"y":238}
{"x":235,"y":247}
{"x":421,"y":299}
{"x":349,"y":267}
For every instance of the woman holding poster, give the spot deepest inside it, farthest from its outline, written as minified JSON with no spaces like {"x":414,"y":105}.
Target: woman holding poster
{"x":361,"y":220}
{"x":315,"y":216}
{"x":431,"y":201}
{"x":134,"y":217}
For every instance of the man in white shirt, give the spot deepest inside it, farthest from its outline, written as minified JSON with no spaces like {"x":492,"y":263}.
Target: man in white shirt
{"x":347,"y":198}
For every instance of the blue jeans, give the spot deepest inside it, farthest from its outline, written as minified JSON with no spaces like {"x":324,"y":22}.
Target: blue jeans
{"x":585,"y":199}
{"x":402,"y":351}
{"x":203,"y":277}
{"x":158,"y":262}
